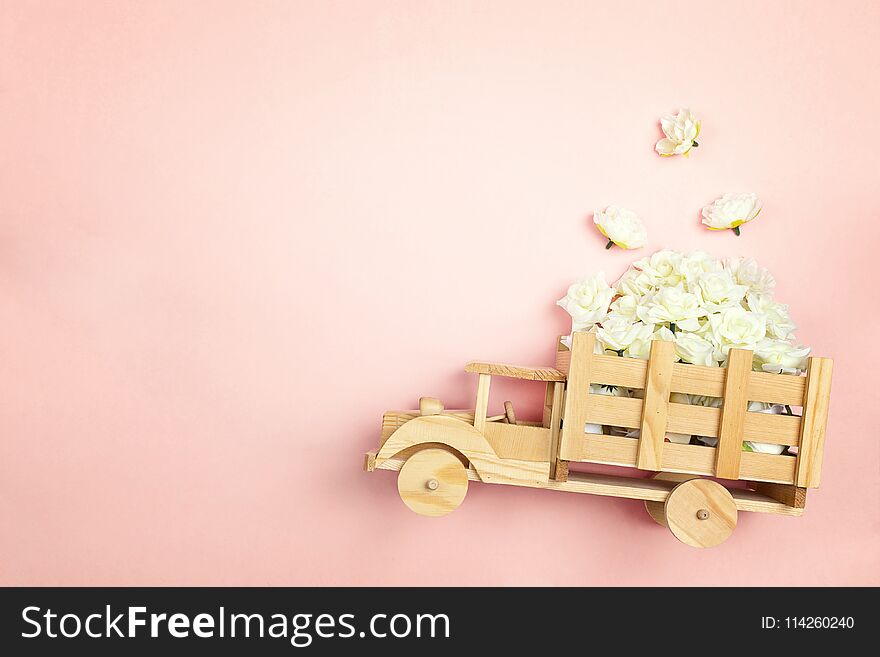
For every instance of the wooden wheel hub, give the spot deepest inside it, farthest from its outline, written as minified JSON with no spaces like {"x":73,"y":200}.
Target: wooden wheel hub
{"x":701,"y":513}
{"x":432,"y":482}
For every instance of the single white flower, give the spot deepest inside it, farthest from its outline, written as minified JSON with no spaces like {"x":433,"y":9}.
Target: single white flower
{"x":622,"y":227}
{"x":781,"y":356}
{"x":681,"y":133}
{"x":736,"y":328}
{"x":673,"y":305}
{"x":746,"y":271}
{"x":587,"y":301}
{"x":717,"y":291}
{"x":618,"y":333}
{"x":663,"y":268}
{"x":691,"y":348}
{"x":731,"y":211}
{"x":624,"y":306}
{"x":635,"y":283}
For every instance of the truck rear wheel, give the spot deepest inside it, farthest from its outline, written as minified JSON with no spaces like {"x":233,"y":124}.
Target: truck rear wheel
{"x":701,"y":513}
{"x":432,"y":482}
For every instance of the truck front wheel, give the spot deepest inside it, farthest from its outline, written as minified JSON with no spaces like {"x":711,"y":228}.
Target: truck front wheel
{"x":432,"y":482}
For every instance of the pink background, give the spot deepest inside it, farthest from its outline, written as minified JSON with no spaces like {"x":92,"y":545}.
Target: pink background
{"x":233,"y":234}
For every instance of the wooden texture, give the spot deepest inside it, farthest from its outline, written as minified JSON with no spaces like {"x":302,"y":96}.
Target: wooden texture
{"x":563,"y":356}
{"x":657,"y":510}
{"x":815,"y":416}
{"x":578,"y":399}
{"x":519,"y":441}
{"x":430,"y":406}
{"x":691,"y":459}
{"x":482,"y":405}
{"x":515,"y":371}
{"x":633,"y":488}
{"x":393,"y":420}
{"x":509,"y":413}
{"x":432,"y":482}
{"x":548,"y":403}
{"x":555,"y":427}
{"x":793,"y":496}
{"x":560,"y":470}
{"x":733,"y":414}
{"x":471,"y":444}
{"x":691,"y":379}
{"x":655,"y":406}
{"x":701,"y":513}
{"x":698,"y":420}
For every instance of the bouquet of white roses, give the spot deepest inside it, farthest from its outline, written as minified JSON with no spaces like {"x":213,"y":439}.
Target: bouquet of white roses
{"x":704,"y":305}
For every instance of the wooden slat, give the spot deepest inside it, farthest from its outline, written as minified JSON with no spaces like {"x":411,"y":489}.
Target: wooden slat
{"x":578,"y":399}
{"x":656,"y":404}
{"x":812,"y":442}
{"x":563,"y":356}
{"x":548,"y":404}
{"x":515,"y":371}
{"x":696,"y":420}
{"x":688,"y":459}
{"x":519,"y":441}
{"x":733,"y":414}
{"x":777,"y":388}
{"x":555,"y":426}
{"x":482,"y":402}
{"x":619,"y":371}
{"x":699,"y":380}
{"x":787,"y":494}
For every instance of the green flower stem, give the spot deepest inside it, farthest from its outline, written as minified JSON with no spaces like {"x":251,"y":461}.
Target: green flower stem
{"x":609,"y":245}
{"x":672,"y":327}
{"x":736,"y":230}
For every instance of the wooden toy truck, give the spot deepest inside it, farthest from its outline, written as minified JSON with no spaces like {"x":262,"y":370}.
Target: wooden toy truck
{"x":437,"y":451}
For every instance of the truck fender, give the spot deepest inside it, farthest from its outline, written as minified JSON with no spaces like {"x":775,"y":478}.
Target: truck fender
{"x":464,"y":438}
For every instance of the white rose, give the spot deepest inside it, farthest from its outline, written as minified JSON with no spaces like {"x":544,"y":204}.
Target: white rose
{"x":691,"y":348}
{"x":587,"y":301}
{"x":671,"y":304}
{"x":718,"y":291}
{"x":622,"y":227}
{"x":662,"y":268}
{"x":695,"y":264}
{"x":635,"y":283}
{"x":746,"y":271}
{"x":736,"y":328}
{"x":779,"y":324}
{"x":618,"y":333}
{"x":780,"y":356}
{"x":681,"y":133}
{"x":624,"y":307}
{"x":731,"y":211}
